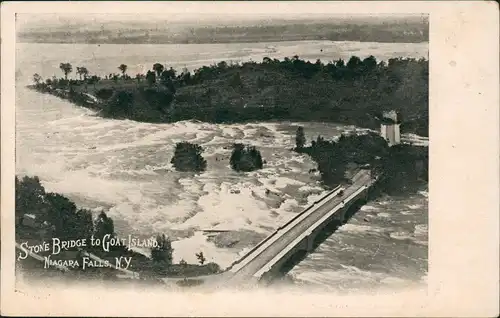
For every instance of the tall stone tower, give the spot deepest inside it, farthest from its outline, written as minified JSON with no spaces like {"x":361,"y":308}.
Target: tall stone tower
{"x":389,"y":128}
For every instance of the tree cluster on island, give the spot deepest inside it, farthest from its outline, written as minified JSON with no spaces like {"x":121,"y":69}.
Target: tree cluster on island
{"x":401,"y":166}
{"x":245,"y":158}
{"x":58,"y":217}
{"x":355,"y":91}
{"x":188,"y":157}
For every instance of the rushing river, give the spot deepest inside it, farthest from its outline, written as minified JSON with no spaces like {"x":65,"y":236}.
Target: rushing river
{"x":124,"y":167}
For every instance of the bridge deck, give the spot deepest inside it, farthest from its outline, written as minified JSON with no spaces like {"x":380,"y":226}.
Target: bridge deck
{"x":288,"y":235}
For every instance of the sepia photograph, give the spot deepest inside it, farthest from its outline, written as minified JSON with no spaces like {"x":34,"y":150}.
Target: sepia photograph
{"x":196,"y":151}
{"x":200,"y":150}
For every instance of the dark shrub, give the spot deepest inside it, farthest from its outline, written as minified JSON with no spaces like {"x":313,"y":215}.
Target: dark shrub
{"x":187,"y":157}
{"x":245,"y":158}
{"x":105,"y":93}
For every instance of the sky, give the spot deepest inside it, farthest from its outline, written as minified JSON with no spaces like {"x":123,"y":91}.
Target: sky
{"x":61,"y":13}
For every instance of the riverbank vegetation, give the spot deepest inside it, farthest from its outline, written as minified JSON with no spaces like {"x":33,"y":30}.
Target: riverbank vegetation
{"x":355,"y":92}
{"x":401,"y":167}
{"x":404,"y":169}
{"x":41,"y":216}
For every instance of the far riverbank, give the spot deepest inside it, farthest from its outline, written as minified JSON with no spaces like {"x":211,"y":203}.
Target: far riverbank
{"x":351,"y":92}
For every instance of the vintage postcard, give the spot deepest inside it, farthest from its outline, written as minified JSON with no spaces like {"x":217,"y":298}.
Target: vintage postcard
{"x":232,"y":158}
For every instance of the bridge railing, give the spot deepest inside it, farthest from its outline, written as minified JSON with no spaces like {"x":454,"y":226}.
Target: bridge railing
{"x":306,"y":233}
{"x":311,"y":206}
{"x":308,"y":208}
{"x":281,"y":227}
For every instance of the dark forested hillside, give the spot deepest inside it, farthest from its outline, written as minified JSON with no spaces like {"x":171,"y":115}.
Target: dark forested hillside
{"x":355,"y":92}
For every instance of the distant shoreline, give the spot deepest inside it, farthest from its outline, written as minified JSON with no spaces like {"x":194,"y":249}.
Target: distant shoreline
{"x":127,"y":41}
{"x":414,"y":31}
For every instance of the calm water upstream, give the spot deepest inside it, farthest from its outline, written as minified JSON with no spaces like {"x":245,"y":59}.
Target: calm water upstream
{"x":124,"y":167}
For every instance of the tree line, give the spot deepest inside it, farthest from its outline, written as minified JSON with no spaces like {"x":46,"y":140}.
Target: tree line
{"x":56,"y":216}
{"x":401,"y":167}
{"x":355,"y":91}
{"x":65,"y":221}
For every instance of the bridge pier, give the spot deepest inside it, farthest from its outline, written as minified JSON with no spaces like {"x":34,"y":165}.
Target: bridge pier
{"x":342,"y":213}
{"x":366,"y":194}
{"x":339,"y":216}
{"x":310,"y":243}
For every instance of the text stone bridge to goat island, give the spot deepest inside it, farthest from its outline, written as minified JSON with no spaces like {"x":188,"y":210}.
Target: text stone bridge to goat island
{"x":265,"y":261}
